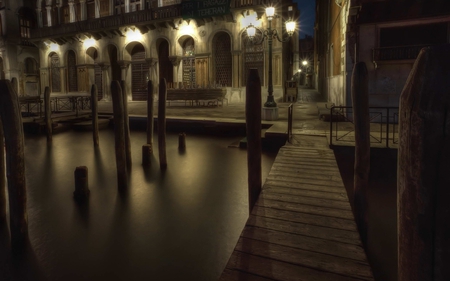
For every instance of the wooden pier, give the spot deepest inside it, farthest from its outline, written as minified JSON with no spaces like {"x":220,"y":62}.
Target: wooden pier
{"x":302,"y":226}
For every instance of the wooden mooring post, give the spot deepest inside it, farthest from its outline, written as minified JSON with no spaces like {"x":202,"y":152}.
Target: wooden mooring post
{"x":253,"y":108}
{"x":48,"y":115}
{"x":15,"y":162}
{"x":162,"y":123}
{"x":119,"y":134}
{"x":126,"y":124}
{"x":2,"y":176}
{"x":360,"y":103}
{"x":147,"y":149}
{"x":423,"y":182}
{"x":94,"y":108}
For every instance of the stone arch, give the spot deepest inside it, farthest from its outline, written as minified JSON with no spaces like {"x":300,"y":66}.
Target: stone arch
{"x":187,"y":44}
{"x":165,"y":65}
{"x":253,"y":56}
{"x":222,"y":59}
{"x":54,"y":65}
{"x":139,"y":72}
{"x":72,"y":75}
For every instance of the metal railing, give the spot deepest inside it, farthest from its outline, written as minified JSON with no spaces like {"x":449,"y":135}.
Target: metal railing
{"x":290,"y":117}
{"x":397,"y":53}
{"x":383,"y":126}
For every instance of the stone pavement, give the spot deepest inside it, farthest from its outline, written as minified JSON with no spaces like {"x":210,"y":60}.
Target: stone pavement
{"x":305,"y":114}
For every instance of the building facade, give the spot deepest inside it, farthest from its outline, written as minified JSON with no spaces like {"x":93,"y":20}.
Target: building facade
{"x":77,"y":43}
{"x":385,"y":34}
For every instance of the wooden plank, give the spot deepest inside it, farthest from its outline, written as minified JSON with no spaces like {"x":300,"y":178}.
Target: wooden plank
{"x":312,"y":219}
{"x":319,"y":245}
{"x":303,"y":185}
{"x":323,"y":211}
{"x":338,"y":235}
{"x":229,"y":275}
{"x":319,"y":261}
{"x":331,"y":179}
{"x":305,"y":169}
{"x":310,"y":201}
{"x":280,"y":270}
{"x":307,"y":179}
{"x":308,"y":193}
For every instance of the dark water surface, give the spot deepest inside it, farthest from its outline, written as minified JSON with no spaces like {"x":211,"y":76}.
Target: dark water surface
{"x":181,"y":224}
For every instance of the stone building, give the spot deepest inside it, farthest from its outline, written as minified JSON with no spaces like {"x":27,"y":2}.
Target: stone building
{"x":385,"y":34}
{"x":69,"y":45}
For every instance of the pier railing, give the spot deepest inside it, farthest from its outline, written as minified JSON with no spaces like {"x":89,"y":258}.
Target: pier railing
{"x":383,"y":126}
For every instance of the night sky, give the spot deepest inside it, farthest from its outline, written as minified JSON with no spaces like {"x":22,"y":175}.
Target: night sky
{"x":307,"y":16}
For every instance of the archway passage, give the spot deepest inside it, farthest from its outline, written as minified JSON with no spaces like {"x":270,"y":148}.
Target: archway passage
{"x":253,"y":58}
{"x":72,"y":71}
{"x":189,"y":63}
{"x":55,"y":73}
{"x":223,"y":59}
{"x":165,"y":65}
{"x":139,"y":73}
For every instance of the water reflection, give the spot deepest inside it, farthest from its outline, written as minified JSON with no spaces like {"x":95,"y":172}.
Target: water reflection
{"x":181,"y":224}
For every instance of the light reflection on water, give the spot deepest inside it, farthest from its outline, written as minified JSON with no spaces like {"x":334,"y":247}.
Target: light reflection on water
{"x":181,"y":224}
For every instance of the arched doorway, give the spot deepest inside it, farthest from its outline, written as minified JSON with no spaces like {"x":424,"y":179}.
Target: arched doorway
{"x":139,"y":73}
{"x":253,"y":57}
{"x":55,"y":72}
{"x":72,"y":72}
{"x":2,"y":69}
{"x":92,"y":58}
{"x":165,"y":65}
{"x":223,"y":66}
{"x":116,"y":73}
{"x":189,"y":63}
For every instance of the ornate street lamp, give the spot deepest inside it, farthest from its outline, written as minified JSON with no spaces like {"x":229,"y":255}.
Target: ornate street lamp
{"x":270,"y":34}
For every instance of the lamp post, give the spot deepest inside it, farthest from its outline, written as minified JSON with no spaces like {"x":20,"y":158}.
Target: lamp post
{"x":270,"y":33}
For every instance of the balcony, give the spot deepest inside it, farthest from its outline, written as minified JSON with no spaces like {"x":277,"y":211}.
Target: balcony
{"x":144,"y":20}
{"x":396,"y":53}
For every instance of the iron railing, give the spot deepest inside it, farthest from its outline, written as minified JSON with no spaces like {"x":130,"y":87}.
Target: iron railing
{"x":290,"y":117}
{"x":397,"y":53}
{"x":383,"y":126}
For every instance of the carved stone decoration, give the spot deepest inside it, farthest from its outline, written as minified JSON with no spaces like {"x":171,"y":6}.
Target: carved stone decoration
{"x":151,"y":61}
{"x":202,"y":33}
{"x":175,"y":60}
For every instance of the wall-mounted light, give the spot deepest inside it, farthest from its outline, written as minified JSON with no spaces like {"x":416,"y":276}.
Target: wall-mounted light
{"x":53,"y":47}
{"x":89,"y":43}
{"x":133,"y":34}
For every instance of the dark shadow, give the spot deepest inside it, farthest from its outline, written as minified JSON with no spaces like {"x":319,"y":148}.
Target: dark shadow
{"x":82,"y":206}
{"x":18,"y":262}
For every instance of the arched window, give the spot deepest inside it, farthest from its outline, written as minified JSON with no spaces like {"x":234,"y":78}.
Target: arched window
{"x":31,"y":67}
{"x":72,"y":71}
{"x":139,"y":73}
{"x":165,"y":65}
{"x":55,"y":73}
{"x":222,"y":59}
{"x":253,"y":57}
{"x":189,"y":62}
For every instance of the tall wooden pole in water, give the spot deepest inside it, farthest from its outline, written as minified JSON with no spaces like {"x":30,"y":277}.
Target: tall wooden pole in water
{"x":15,"y":163}
{"x":360,"y":102}
{"x":423,"y":181}
{"x":150,"y":102}
{"x":162,"y":123}
{"x":253,"y":122}
{"x":119,"y":133}
{"x":2,"y":176}
{"x":147,"y":149}
{"x":126,"y":123}
{"x":94,"y":107}
{"x":48,"y":114}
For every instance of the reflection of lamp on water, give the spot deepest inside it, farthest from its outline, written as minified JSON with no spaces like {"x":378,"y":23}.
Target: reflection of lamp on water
{"x":270,"y":34}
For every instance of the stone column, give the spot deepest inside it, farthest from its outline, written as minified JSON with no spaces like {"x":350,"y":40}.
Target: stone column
{"x":49,"y":15}
{"x":39,"y":13}
{"x":176,"y":63}
{"x":83,"y":10}
{"x":152,"y":73}
{"x":71,"y":11}
{"x":127,"y":6}
{"x":124,"y":67}
{"x":106,"y":81}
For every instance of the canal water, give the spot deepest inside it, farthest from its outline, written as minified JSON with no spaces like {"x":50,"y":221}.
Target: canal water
{"x":181,"y":224}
